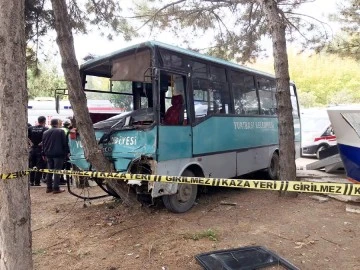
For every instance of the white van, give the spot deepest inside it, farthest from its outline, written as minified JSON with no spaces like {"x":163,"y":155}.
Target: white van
{"x":46,"y":107}
{"x":316,"y":132}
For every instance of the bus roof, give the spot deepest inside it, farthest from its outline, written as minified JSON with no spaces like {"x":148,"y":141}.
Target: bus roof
{"x":152,"y":44}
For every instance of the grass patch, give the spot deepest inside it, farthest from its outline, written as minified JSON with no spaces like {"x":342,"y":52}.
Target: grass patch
{"x":39,"y":252}
{"x":209,"y":234}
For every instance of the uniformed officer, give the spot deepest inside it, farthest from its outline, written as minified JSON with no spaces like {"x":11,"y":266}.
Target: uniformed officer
{"x":35,"y":134}
{"x":66,"y":126}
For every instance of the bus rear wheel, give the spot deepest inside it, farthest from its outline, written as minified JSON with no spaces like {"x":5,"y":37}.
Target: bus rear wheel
{"x":185,"y":197}
{"x":273,"y":170}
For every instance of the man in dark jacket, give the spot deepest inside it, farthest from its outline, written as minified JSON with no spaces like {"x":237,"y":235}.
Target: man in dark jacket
{"x":55,"y":149}
{"x":35,"y":134}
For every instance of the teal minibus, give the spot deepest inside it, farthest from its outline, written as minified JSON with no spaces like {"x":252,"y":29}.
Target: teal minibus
{"x":184,"y":114}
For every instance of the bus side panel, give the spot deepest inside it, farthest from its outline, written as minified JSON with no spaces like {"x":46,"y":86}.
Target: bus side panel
{"x":124,"y":146}
{"x":220,"y":134}
{"x":254,"y":159}
{"x":216,"y":165}
{"x":174,"y":142}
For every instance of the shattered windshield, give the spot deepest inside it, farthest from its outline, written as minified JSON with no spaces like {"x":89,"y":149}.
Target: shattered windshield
{"x":133,"y":100}
{"x":127,"y":86}
{"x":127,"y":120}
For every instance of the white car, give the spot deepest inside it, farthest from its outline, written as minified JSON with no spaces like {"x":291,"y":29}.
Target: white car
{"x":316,"y":133}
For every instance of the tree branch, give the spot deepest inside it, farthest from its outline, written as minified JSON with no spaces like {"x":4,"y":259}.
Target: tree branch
{"x":308,"y":16}
{"x":152,"y":18}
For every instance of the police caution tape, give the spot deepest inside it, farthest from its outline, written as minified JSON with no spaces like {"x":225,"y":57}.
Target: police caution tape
{"x":5,"y":176}
{"x":277,"y":185}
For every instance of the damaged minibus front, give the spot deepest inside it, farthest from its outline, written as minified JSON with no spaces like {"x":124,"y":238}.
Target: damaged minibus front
{"x":130,"y":139}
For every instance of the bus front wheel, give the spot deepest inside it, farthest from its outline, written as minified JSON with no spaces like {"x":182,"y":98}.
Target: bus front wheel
{"x":185,"y":197}
{"x":273,"y":169}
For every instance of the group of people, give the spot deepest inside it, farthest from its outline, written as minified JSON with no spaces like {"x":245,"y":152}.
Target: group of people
{"x":48,"y":146}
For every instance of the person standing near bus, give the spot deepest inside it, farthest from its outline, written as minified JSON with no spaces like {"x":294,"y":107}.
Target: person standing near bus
{"x":66,"y":126}
{"x":55,"y":150}
{"x":35,"y":134}
{"x":67,"y":165}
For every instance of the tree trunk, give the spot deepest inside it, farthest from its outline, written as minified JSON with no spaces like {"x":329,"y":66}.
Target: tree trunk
{"x":277,"y":27}
{"x":15,"y":219}
{"x":78,"y":102}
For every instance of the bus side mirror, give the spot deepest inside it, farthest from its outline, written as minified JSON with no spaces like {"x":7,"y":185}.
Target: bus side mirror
{"x":57,"y":103}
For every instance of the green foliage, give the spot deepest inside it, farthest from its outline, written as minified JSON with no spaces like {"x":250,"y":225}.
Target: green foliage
{"x":39,"y":252}
{"x":122,"y":101}
{"x":321,"y":79}
{"x":42,"y":82}
{"x":347,"y":43}
{"x":209,"y":234}
{"x":326,"y":76}
{"x":103,"y":84}
{"x":38,"y":19}
{"x":97,"y":83}
{"x":104,"y":15}
{"x":307,"y":100}
{"x":237,"y":26}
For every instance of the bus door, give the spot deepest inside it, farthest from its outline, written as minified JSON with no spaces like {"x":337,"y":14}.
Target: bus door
{"x":175,"y":138}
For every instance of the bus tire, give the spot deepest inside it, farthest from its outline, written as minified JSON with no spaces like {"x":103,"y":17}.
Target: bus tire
{"x":185,"y":197}
{"x":273,"y":170}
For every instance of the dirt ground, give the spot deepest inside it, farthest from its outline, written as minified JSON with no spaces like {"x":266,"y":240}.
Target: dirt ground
{"x":107,"y":235}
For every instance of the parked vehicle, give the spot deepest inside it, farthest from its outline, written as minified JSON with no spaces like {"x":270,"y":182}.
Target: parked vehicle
{"x":99,"y":110}
{"x":346,"y":123}
{"x":190,"y":115}
{"x":317,"y":133}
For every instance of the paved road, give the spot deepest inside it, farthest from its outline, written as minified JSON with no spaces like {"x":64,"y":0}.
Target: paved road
{"x":302,"y":162}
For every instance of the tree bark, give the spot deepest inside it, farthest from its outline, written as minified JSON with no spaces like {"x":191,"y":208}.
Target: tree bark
{"x":277,"y":27}
{"x":78,"y":102}
{"x":15,"y":219}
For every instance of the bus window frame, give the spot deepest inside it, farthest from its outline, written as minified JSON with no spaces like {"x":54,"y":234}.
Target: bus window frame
{"x":227,"y":83}
{"x":271,"y":81}
{"x":134,"y":95}
{"x":232,"y":92}
{"x":158,"y":66}
{"x":157,"y":85}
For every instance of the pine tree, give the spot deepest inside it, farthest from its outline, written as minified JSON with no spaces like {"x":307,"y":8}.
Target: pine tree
{"x":347,"y":43}
{"x":15,"y":219}
{"x":239,"y":27}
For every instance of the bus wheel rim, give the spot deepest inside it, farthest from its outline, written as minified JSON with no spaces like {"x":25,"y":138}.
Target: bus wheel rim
{"x":184,"y":193}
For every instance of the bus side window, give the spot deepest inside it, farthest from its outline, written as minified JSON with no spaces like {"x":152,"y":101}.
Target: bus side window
{"x":245,"y":98}
{"x":220,"y":90}
{"x":174,"y":99}
{"x":267,"y":89}
{"x":201,"y":97}
{"x":238,"y":87}
{"x":221,"y":98}
{"x":210,"y":98}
